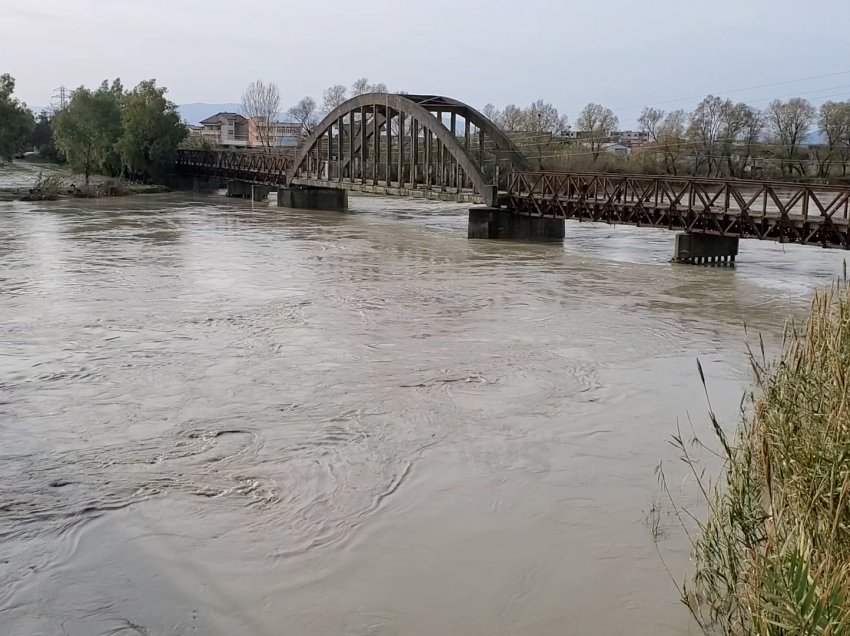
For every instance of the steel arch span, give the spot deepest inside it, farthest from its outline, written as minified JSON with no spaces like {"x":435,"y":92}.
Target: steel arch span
{"x":408,"y":145}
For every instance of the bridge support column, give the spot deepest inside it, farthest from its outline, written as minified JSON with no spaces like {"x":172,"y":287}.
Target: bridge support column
{"x":501,"y":223}
{"x":245,"y":190}
{"x":313,"y":198}
{"x":705,"y":249}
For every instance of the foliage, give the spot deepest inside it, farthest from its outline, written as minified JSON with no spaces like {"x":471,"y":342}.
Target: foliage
{"x":152,"y":130}
{"x":773,"y":558}
{"x":789,"y":122}
{"x":46,"y":188}
{"x":834,"y":123}
{"x":16,"y":121}
{"x":89,"y":128}
{"x":597,"y":122}
{"x":115,"y":133}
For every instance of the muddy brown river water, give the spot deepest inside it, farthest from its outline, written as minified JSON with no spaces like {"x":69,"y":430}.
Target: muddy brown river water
{"x":220,"y":419}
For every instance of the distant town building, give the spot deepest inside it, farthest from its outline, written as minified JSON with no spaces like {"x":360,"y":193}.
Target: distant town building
{"x":229,"y":130}
{"x":232,"y":130}
{"x":283,"y":134}
{"x":627,"y":137}
{"x":616,"y":149}
{"x":195,"y":131}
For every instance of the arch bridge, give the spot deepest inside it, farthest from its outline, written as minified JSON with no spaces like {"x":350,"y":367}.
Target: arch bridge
{"x":409,"y":145}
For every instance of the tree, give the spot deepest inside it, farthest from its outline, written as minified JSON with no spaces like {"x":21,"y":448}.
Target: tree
{"x":834,"y":123}
{"x":752,"y":129}
{"x":333,"y":97}
{"x":710,"y":132}
{"x":547,"y":127}
{"x":790,"y":122}
{"x":16,"y":121}
{"x":490,"y":112}
{"x":89,"y":128}
{"x":362,"y":86}
{"x":261,"y":105}
{"x":304,"y":112}
{"x":666,"y":131}
{"x":152,"y":130}
{"x":597,"y":122}
{"x":512,"y":119}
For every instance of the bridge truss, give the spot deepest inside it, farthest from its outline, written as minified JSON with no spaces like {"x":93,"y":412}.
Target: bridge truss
{"x":793,"y":213}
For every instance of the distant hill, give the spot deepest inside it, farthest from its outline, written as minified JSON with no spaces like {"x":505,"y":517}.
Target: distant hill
{"x":194,"y":113}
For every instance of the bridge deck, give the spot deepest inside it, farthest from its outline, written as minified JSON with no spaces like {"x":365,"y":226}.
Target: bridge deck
{"x":394,"y":188}
{"x":806,"y":214}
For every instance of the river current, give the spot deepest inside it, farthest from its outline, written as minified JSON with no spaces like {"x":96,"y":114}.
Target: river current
{"x":220,"y":418}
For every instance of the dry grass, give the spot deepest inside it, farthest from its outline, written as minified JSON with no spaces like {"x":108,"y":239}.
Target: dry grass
{"x":773,"y":558}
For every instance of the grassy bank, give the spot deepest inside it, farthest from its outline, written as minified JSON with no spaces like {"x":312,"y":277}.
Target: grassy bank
{"x":774,"y":556}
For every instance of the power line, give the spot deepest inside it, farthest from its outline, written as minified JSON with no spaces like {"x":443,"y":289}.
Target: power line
{"x":743,"y":90}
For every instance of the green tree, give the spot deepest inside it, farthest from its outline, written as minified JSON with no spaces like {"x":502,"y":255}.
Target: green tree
{"x":16,"y":121}
{"x":152,"y":130}
{"x":89,"y":129}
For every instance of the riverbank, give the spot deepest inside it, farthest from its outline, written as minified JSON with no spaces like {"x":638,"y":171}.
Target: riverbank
{"x":774,"y":556}
{"x":37,"y":181}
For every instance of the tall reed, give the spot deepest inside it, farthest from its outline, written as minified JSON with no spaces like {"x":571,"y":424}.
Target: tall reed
{"x":773,"y":556}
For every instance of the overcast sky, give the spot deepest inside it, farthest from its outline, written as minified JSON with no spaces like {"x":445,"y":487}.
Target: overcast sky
{"x":621,"y":53}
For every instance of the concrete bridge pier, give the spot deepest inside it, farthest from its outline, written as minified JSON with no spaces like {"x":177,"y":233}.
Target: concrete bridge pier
{"x":245,"y":190}
{"x":502,"y":223}
{"x":313,"y":198}
{"x":705,"y":249}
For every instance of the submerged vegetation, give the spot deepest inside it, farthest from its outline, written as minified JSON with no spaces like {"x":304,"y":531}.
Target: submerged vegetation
{"x":773,"y":558}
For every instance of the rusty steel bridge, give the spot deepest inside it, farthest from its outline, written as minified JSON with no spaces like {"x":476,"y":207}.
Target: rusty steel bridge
{"x":439,"y":148}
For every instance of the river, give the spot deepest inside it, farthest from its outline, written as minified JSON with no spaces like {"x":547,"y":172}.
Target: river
{"x":221,"y":419}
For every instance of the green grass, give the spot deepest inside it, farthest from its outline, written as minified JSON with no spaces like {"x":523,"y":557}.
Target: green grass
{"x":773,"y":556}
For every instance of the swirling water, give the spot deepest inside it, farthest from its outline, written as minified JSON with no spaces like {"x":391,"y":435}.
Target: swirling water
{"x":220,"y":418}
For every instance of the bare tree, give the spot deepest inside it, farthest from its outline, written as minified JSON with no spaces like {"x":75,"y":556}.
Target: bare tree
{"x":512,"y":119}
{"x":333,"y":97}
{"x":790,"y":122}
{"x":362,"y":86}
{"x":305,"y":113}
{"x":709,"y":133}
{"x":834,"y":123}
{"x":261,"y":105}
{"x":547,"y":128}
{"x":598,"y":123}
{"x":666,"y":131}
{"x":490,"y":112}
{"x":752,"y":129}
